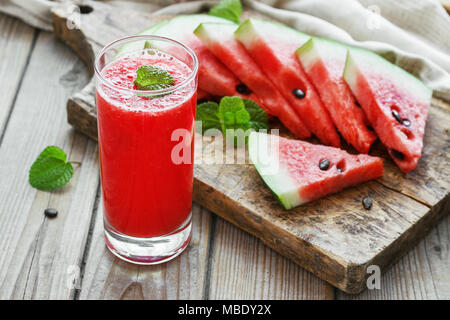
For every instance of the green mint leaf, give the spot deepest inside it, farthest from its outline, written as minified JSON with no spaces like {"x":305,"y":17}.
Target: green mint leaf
{"x":207,"y":113}
{"x":232,"y":114}
{"x":152,"y":78}
{"x":228,"y":9}
{"x":235,"y":119}
{"x":258,"y":117}
{"x":50,"y":170}
{"x":147,"y":45}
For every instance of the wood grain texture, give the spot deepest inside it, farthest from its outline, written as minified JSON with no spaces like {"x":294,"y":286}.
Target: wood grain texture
{"x":107,"y":277}
{"x":335,"y":238}
{"x":39,"y":256}
{"x":242,"y":267}
{"x":16,"y":42}
{"x":423,"y":273}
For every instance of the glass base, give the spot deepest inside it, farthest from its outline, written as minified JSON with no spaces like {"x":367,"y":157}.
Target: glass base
{"x":148,"y":251}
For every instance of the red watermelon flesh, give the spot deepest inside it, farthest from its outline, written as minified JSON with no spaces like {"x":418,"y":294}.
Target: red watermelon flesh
{"x":202,"y":94}
{"x":291,"y":169}
{"x":219,"y":38}
{"x":324,"y":61}
{"x":272,"y":46}
{"x":213,"y":76}
{"x":395,"y":103}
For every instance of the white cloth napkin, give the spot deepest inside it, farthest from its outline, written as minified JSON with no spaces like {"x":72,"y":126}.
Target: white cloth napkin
{"x":412,"y":34}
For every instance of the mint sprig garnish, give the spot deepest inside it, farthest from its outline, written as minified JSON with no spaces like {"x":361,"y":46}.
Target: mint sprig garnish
{"x":228,"y":9}
{"x":50,"y":170}
{"x":152,"y":78}
{"x":233,"y":116}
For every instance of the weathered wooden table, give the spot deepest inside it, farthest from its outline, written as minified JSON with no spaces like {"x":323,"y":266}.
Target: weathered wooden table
{"x":66,"y":258}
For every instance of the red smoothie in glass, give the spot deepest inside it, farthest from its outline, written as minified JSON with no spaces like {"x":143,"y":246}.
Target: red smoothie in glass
{"x":145,"y":193}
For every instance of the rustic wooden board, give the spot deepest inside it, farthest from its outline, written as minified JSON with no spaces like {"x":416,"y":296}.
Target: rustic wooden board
{"x":242,"y":267}
{"x":421,"y":274}
{"x":334,"y":238}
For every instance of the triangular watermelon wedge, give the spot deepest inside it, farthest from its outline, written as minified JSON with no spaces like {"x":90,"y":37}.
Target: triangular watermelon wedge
{"x":324,"y":62}
{"x":297,"y":172}
{"x":213,"y":76}
{"x":219,"y":39}
{"x":272,"y":46}
{"x":395,"y":103}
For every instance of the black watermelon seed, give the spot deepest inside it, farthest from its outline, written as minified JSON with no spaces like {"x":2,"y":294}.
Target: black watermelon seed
{"x":397,"y":154}
{"x":298,"y":93}
{"x":367,"y":203}
{"x":51,"y":213}
{"x":243,"y":89}
{"x":339,"y":170}
{"x":406,"y":122}
{"x":396,"y":116}
{"x":324,"y":164}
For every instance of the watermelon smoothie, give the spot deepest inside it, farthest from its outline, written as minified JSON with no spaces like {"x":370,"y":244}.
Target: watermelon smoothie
{"x":146,"y":146}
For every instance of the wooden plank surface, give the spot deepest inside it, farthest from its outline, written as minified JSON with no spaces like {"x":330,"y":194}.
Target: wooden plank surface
{"x":338,"y":245}
{"x":39,"y":257}
{"x":107,"y":277}
{"x":16,"y":42}
{"x":422,"y":274}
{"x":242,"y":267}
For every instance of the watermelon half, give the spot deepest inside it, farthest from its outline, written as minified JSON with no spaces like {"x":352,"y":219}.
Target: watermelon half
{"x":291,"y":168}
{"x":219,"y":39}
{"x":272,"y":46}
{"x":324,"y":62}
{"x":395,"y":103}
{"x":213,"y":76}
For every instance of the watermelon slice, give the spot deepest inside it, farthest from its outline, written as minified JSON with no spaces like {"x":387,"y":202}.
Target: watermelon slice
{"x":324,"y":61}
{"x":201,"y":94}
{"x":219,"y":38}
{"x":213,"y":76}
{"x":299,"y":172}
{"x":395,"y":103}
{"x":272,"y":46}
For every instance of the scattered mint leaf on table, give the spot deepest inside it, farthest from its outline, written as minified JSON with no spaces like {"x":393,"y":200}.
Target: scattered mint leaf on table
{"x":152,"y":78}
{"x":228,"y":9}
{"x":232,"y":113}
{"x":50,"y":170}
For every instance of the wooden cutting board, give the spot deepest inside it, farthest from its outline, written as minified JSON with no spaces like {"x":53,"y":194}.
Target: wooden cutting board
{"x":335,"y":237}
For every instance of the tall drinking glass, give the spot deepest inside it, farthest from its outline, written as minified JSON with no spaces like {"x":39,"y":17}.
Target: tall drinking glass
{"x":146,"y":141}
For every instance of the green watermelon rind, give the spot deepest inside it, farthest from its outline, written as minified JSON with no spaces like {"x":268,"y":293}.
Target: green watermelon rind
{"x":308,"y":52}
{"x":171,"y":28}
{"x":359,"y":60}
{"x":281,"y":184}
{"x":180,"y":25}
{"x":249,"y":31}
{"x":203,"y":33}
{"x":316,"y":48}
{"x":139,"y":45}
